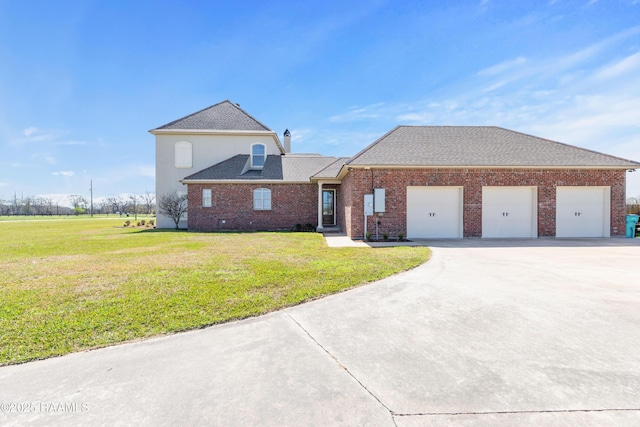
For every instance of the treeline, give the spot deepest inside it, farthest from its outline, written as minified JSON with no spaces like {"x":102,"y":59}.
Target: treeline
{"x":633,"y":205}
{"x":79,"y":205}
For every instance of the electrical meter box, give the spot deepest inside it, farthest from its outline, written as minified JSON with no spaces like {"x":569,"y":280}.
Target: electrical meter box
{"x":368,"y":204}
{"x":378,"y":200}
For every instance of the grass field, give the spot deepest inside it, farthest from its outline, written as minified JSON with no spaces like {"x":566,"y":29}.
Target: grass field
{"x":73,"y":284}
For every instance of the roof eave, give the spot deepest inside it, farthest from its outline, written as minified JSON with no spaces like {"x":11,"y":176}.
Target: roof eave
{"x":271,"y":133}
{"x":399,"y":166}
{"x":326,"y":180}
{"x":240,"y":181}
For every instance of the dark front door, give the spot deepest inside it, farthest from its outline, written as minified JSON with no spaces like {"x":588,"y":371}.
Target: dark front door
{"x":328,"y":207}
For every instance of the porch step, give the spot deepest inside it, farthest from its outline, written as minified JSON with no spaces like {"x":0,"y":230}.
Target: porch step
{"x":331,"y":230}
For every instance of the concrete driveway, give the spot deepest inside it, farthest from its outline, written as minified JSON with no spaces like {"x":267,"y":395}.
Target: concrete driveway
{"x":489,"y":332}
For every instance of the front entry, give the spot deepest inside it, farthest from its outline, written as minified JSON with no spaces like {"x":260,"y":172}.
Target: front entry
{"x":328,"y":207}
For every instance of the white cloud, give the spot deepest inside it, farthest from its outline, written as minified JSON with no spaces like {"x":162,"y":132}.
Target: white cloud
{"x":358,"y":113}
{"x":47,"y":157}
{"x":34,"y":134}
{"x":628,"y":64}
{"x":148,"y":171}
{"x":503,"y":66}
{"x":64,"y":173}
{"x":563,"y":98}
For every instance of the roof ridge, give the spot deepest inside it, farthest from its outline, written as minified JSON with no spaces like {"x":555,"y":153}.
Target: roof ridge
{"x":193,"y":114}
{"x":237,"y":106}
{"x":226,"y":101}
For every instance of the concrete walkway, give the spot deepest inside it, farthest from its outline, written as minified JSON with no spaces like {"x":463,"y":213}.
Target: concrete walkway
{"x":487,"y":333}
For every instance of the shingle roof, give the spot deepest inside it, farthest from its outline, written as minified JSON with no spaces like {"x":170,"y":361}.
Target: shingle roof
{"x":287,"y":168}
{"x":222,"y":116}
{"x":477,"y":146}
{"x":332,"y":170}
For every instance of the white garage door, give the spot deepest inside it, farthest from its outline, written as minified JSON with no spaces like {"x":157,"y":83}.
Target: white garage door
{"x":583,"y":211}
{"x":434,"y":212}
{"x":509,"y":212}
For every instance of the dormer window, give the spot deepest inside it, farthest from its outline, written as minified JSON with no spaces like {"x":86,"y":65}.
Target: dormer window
{"x":258,"y":156}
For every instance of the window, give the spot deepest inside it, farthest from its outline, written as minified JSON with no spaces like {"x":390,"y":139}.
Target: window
{"x":262,"y":199}
{"x":183,"y":154}
{"x":206,"y":197}
{"x":258,"y":156}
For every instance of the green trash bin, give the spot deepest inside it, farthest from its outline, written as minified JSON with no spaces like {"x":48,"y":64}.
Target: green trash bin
{"x":632,"y":220}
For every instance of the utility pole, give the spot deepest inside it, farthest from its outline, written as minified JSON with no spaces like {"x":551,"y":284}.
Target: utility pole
{"x":91,"y":192}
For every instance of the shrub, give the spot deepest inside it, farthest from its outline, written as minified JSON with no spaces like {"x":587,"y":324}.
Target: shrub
{"x":138,"y":224}
{"x":368,"y":235}
{"x":309,"y":227}
{"x":127,"y":223}
{"x":151,"y":222}
{"x":142,"y":222}
{"x":297,"y":227}
{"x":400,"y":236}
{"x":385,"y":236}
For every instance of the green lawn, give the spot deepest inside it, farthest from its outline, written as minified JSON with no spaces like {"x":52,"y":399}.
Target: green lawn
{"x":69,"y":285}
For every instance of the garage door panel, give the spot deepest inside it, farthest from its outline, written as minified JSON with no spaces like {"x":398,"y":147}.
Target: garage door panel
{"x":583,"y":211}
{"x":509,"y":212}
{"x":434,"y":212}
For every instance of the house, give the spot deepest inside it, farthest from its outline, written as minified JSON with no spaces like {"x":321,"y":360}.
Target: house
{"x":422,"y":181}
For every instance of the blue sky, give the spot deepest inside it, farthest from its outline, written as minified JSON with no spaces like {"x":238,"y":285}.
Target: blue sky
{"x":82,"y":82}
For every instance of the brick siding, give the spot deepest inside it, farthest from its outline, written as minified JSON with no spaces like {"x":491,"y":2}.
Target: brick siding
{"x":232,"y":207}
{"x":297,"y":203}
{"x":359,"y":182}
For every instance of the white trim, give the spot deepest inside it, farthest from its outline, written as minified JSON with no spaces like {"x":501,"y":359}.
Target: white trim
{"x":206,"y":196}
{"x":252,"y":166}
{"x":262,"y":191}
{"x":509,"y":220}
{"x":429,"y":217}
{"x":272,"y":134}
{"x":240,"y":181}
{"x":500,"y":167}
{"x":320,"y":227}
{"x":335,"y":220}
{"x":581,"y":223}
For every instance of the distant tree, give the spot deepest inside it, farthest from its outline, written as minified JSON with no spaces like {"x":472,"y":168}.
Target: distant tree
{"x":173,"y":205}
{"x":40,"y":205}
{"x":5,"y":207}
{"x":149,"y":201}
{"x":117,"y":203}
{"x":134,"y":198}
{"x":633,"y":205}
{"x":49,"y":202}
{"x":27,"y":203}
{"x":105,"y":207}
{"x":79,"y":204}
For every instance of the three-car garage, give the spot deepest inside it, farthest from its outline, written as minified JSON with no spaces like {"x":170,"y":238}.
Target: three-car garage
{"x":508,"y":212}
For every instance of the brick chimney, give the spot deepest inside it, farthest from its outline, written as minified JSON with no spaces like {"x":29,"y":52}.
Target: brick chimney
{"x":287,"y":141}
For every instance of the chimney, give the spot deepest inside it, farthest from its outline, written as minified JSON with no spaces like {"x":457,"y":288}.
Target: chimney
{"x":287,"y":141}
